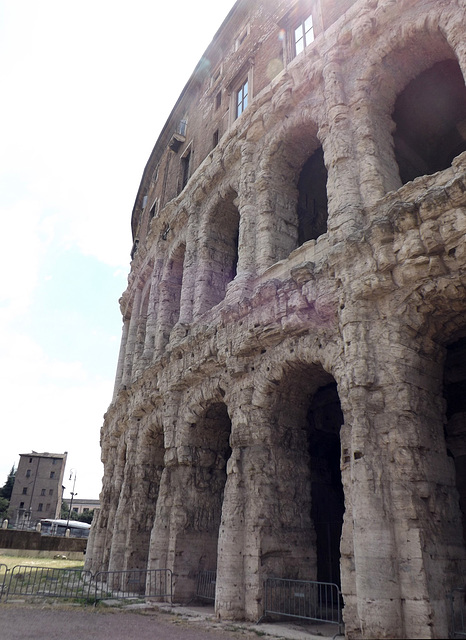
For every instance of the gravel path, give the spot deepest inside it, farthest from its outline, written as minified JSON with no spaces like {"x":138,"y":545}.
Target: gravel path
{"x":58,"y":622}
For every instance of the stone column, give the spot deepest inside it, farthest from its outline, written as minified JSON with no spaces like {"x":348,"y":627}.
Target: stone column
{"x":121,"y":358}
{"x":266,"y":527}
{"x":344,"y":200}
{"x":97,"y":553}
{"x":152,"y":313}
{"x":118,"y":548}
{"x":406,"y":526}
{"x":131,"y":340}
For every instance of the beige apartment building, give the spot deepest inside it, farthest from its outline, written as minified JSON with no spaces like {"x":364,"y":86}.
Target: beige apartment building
{"x":38,"y":489}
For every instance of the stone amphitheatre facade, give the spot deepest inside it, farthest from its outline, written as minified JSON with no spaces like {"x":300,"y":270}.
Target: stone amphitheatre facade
{"x":290,"y":397}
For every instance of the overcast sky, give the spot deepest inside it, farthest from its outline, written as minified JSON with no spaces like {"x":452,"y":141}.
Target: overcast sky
{"x":86,"y":88}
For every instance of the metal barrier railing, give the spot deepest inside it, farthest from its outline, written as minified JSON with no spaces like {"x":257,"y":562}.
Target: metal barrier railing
{"x":3,"y":576}
{"x":206,"y":582}
{"x":45,"y":581}
{"x":308,"y":600}
{"x":134,"y":583}
{"x":457,"y":599}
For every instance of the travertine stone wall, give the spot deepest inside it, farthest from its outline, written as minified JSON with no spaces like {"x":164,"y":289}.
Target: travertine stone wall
{"x":264,"y":388}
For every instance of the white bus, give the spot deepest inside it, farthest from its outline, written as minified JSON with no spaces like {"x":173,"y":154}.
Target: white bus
{"x":77,"y":529}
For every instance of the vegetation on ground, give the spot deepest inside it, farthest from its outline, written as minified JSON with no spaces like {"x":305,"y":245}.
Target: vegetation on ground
{"x":53,"y":563}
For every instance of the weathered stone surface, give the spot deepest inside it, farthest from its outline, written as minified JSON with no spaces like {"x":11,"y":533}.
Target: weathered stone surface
{"x":289,"y":400}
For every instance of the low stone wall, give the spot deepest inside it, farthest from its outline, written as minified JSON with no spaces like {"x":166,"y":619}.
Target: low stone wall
{"x":32,"y":543}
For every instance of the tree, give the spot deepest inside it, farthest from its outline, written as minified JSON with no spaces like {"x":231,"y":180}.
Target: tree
{"x":65,"y":512}
{"x":7,"y":489}
{"x":4,"y":504}
{"x":87,"y":516}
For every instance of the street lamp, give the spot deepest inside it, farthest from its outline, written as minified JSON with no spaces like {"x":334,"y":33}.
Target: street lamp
{"x":73,"y":471}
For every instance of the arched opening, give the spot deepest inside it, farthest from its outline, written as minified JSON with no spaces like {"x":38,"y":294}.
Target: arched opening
{"x":209,"y":444}
{"x":141,"y":330}
{"x":327,"y":497}
{"x":174,"y":282}
{"x":455,"y":428}
{"x":224,"y":251}
{"x":309,"y":505}
{"x":219,"y":254}
{"x":146,"y":483}
{"x":169,"y":293}
{"x":312,"y":198}
{"x":430,"y":118}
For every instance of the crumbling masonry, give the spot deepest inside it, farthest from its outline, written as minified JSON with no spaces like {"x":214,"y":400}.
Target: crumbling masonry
{"x":290,"y":395}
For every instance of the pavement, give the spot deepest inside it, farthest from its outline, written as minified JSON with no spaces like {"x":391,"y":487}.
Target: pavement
{"x":41,"y":620}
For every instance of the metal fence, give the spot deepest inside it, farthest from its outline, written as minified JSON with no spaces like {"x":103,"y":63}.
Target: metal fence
{"x":45,"y":581}
{"x":134,"y":583}
{"x":76,"y":583}
{"x":457,"y":599}
{"x":3,"y":577}
{"x":316,"y":601}
{"x":206,"y":582}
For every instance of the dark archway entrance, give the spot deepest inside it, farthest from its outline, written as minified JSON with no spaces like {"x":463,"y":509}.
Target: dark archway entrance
{"x":455,"y":428}
{"x":327,"y":497}
{"x":312,"y":200}
{"x":309,"y":505}
{"x":430,"y":118}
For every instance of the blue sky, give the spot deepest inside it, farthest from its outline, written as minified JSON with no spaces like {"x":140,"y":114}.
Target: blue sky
{"x":86,"y":88}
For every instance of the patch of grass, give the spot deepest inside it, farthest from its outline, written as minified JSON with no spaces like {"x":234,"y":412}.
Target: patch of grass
{"x":53,"y":563}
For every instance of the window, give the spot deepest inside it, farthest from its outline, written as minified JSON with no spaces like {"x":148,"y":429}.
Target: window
{"x":304,"y":35}
{"x":28,"y":473}
{"x":216,"y":76}
{"x":182,"y":127}
{"x":215,"y":139}
{"x":50,"y":492}
{"x":42,"y":493}
{"x":21,"y":505}
{"x":25,"y":491}
{"x":185,"y":162}
{"x":52,"y":474}
{"x":48,"y":506}
{"x":54,"y":460}
{"x":218,"y":100}
{"x":30,"y":459}
{"x":85,"y":509}
{"x":40,"y":507}
{"x":241,"y":99}
{"x":75,"y":509}
{"x":241,"y":38}
{"x":152,"y":211}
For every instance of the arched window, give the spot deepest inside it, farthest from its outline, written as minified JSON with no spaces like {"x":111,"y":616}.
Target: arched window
{"x":430,"y":118}
{"x":312,"y":199}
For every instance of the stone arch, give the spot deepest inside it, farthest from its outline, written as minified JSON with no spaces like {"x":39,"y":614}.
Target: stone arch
{"x":294,"y":183}
{"x":430,"y":117}
{"x":192,"y":489}
{"x":303,"y":507}
{"x":393,"y":65}
{"x":218,"y":251}
{"x":143,"y":443}
{"x":169,"y":294}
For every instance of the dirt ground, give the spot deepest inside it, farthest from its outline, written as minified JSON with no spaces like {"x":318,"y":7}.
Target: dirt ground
{"x":58,"y":621}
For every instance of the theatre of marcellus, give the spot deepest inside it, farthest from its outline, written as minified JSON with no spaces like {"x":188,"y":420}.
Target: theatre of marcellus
{"x":290,"y":396}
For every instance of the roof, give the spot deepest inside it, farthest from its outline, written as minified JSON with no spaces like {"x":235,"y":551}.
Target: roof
{"x":35,"y":454}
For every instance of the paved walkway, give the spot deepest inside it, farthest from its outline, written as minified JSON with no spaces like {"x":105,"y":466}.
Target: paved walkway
{"x":27,"y":621}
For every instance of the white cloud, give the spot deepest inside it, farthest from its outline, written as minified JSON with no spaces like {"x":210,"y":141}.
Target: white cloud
{"x":86,"y":89}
